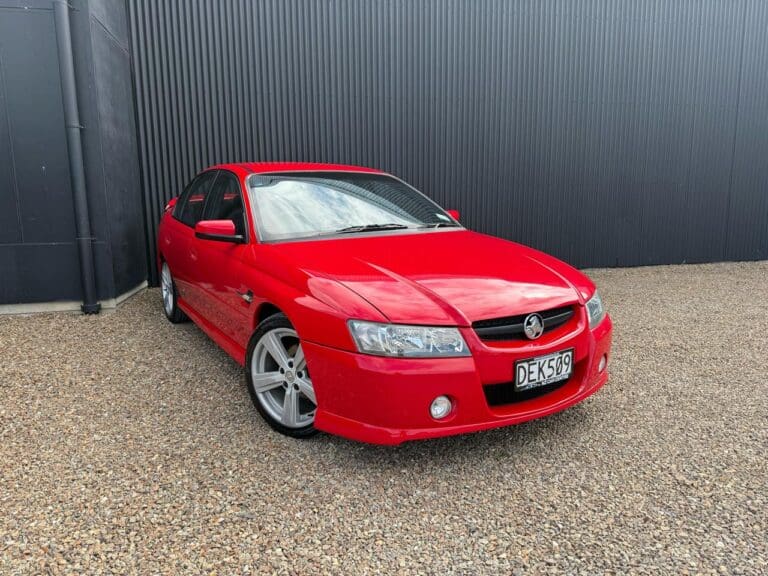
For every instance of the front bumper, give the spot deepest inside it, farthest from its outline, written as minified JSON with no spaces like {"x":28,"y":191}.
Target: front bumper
{"x":386,"y":400}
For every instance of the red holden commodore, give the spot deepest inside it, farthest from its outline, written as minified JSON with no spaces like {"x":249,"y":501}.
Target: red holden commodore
{"x":361,"y":308}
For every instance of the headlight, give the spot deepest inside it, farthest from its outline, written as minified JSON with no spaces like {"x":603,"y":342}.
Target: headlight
{"x":595,"y":310}
{"x":407,"y":341}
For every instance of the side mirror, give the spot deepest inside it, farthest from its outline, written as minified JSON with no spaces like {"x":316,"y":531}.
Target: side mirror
{"x":171,"y":203}
{"x":453,"y":214}
{"x":219,"y":230}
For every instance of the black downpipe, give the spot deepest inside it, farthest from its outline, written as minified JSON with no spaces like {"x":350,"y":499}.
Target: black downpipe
{"x":74,"y":143}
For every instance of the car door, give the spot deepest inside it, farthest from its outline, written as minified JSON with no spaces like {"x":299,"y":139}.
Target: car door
{"x":180,"y":249}
{"x":221,"y":262}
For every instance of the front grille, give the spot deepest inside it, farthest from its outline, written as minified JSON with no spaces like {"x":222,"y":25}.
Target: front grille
{"x":511,"y":327}
{"x":505,"y":393}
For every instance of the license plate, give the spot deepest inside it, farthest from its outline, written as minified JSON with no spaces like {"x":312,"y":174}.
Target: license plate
{"x":543,"y":370}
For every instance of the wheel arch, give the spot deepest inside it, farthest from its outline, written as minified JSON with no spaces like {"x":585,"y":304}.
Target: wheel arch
{"x":264,"y":311}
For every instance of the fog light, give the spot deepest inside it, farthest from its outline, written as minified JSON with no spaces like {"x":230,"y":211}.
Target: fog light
{"x":603,"y":362}
{"x":441,"y":407}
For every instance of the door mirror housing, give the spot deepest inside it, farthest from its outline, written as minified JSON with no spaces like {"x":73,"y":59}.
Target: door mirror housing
{"x":453,"y":214}
{"x":218,"y":230}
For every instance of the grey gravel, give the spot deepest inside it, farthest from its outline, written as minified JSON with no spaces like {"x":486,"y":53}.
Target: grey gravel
{"x":130,"y":446}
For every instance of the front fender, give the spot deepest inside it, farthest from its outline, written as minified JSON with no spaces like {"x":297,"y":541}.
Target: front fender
{"x":317,"y":307}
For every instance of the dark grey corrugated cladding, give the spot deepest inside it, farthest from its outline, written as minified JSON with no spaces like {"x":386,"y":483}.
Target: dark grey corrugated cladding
{"x":606,"y":132}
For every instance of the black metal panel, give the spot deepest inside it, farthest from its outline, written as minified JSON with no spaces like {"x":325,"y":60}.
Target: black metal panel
{"x":34,"y":113}
{"x":38,"y":258}
{"x":10,"y":219}
{"x":608,"y":132}
{"x":119,"y":172}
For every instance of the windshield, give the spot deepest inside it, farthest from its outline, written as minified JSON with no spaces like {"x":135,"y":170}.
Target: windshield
{"x":307,"y":204}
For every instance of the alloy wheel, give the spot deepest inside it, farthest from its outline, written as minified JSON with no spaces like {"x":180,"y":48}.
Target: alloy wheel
{"x":281,"y":380}
{"x":166,"y":285}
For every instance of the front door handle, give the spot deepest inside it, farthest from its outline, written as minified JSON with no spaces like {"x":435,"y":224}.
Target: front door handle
{"x":247,"y":296}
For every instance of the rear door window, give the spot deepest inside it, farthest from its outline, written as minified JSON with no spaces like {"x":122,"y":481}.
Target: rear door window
{"x":189,"y":209}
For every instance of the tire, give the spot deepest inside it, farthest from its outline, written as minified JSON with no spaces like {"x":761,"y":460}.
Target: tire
{"x":170,"y":296}
{"x":280,"y":385}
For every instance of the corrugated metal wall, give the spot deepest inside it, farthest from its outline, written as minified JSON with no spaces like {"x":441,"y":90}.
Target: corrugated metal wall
{"x":606,"y":132}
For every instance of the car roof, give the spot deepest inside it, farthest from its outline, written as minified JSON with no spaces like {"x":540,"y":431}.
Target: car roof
{"x":266,"y":167}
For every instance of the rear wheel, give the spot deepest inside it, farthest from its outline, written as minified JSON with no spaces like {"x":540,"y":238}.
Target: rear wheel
{"x":278,"y":378}
{"x":170,"y":296}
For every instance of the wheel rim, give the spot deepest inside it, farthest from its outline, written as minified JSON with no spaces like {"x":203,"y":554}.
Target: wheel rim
{"x":281,"y":380}
{"x":166,"y":284}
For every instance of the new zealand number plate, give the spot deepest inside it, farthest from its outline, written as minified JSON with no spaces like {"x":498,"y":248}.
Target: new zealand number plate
{"x":543,"y":370}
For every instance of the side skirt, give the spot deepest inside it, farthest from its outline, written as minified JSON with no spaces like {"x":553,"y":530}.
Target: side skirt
{"x":229,"y":346}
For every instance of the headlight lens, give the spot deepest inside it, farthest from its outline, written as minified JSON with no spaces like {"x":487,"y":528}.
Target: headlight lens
{"x":407,"y":341}
{"x":595,"y":310}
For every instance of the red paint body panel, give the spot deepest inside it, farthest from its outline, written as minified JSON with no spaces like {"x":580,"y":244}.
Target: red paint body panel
{"x":389,"y":402}
{"x":444,"y":277}
{"x":450,"y":277}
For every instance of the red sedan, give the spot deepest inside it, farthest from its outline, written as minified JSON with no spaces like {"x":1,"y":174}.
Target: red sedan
{"x":360,"y":307}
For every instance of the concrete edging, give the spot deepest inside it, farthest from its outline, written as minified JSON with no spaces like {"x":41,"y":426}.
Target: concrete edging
{"x":68,"y":305}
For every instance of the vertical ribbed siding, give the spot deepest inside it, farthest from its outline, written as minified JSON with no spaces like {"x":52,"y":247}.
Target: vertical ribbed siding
{"x":606,"y":132}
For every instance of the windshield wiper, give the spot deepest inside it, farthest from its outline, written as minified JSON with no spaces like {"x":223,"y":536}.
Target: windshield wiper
{"x":439,"y":225}
{"x":371,"y":228}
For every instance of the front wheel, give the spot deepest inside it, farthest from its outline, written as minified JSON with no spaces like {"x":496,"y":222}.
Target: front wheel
{"x":278,"y":378}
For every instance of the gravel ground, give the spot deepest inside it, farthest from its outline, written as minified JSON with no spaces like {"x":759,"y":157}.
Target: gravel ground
{"x":130,"y":446}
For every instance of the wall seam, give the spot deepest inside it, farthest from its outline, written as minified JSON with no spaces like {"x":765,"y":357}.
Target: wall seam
{"x":109,"y":33}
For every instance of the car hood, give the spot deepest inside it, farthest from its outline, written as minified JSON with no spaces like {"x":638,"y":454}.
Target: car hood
{"x":452,"y":277}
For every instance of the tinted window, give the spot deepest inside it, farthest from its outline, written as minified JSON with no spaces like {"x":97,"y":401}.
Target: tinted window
{"x":226,"y":202}
{"x":190,"y":207}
